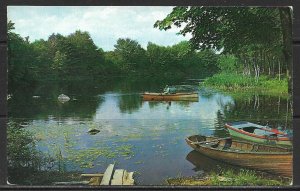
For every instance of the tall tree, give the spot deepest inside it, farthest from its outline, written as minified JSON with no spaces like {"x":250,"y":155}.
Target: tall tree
{"x":132,"y":54}
{"x":21,"y":60}
{"x":239,"y":31}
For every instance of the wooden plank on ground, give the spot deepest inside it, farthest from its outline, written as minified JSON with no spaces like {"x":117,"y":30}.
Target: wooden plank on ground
{"x":107,"y":175}
{"x":92,"y":175}
{"x":95,"y":181}
{"x":72,"y":183}
{"x":118,"y":177}
{"x":128,"y":178}
{"x":122,"y":177}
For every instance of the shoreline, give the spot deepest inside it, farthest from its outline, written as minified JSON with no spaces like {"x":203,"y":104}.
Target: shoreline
{"x":243,"y":177}
{"x":236,"y":83}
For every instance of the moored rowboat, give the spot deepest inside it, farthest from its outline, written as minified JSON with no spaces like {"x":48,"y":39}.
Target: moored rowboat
{"x":273,"y":159}
{"x":148,"y":96}
{"x":258,"y":133}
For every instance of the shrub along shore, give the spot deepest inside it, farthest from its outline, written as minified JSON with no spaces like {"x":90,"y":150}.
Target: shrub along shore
{"x":241,"y":83}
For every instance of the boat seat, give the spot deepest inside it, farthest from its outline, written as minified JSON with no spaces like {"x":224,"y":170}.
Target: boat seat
{"x":214,"y":144}
{"x":254,"y":148}
{"x":224,"y":145}
{"x":221,"y":145}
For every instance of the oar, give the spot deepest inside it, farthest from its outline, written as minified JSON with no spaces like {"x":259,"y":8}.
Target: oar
{"x":220,"y":139}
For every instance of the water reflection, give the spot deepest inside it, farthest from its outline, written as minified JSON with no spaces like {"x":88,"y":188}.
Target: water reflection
{"x":205,"y":164}
{"x":153,"y":132}
{"x":262,"y":109}
{"x":129,"y":103}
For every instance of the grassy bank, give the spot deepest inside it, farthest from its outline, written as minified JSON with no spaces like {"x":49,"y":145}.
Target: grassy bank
{"x":238,"y":82}
{"x":230,"y":178}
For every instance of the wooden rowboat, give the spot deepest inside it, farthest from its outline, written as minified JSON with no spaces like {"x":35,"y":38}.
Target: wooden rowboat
{"x":273,"y":159}
{"x":258,"y":133}
{"x":148,"y":96}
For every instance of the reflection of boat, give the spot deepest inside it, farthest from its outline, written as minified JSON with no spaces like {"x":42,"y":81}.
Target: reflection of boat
{"x":148,"y":96}
{"x":204,"y":163}
{"x":273,"y":159}
{"x":258,"y":133}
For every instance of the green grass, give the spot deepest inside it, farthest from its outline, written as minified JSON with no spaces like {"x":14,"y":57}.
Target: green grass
{"x":243,"y":178}
{"x":238,"y":82}
{"x":230,"y":178}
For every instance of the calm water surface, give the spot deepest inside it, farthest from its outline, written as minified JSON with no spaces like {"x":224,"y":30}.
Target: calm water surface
{"x":145,"y":137}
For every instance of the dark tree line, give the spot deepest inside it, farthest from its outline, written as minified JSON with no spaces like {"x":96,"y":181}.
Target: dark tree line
{"x":252,"y":41}
{"x":75,"y":56}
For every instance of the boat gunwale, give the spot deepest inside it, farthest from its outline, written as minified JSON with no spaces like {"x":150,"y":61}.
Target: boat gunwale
{"x":166,"y":94}
{"x":257,"y":136}
{"x":241,"y":151}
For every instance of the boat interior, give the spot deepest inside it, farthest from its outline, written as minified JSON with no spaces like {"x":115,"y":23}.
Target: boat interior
{"x":234,"y":145}
{"x":249,"y":129}
{"x":258,"y":131}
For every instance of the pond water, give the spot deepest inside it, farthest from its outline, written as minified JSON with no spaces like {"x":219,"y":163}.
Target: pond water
{"x":141,"y":136}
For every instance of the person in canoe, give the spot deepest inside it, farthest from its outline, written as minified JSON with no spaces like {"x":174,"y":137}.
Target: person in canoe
{"x":169,"y":90}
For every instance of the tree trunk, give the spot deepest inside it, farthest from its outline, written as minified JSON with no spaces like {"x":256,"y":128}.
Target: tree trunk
{"x":278,"y":105}
{"x":269,"y":64}
{"x":273,"y":65}
{"x":279,"y":70}
{"x":287,"y":113}
{"x":286,"y":26}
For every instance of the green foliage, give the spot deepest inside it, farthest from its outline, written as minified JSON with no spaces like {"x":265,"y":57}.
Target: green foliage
{"x":228,"y":63}
{"x":21,"y":148}
{"x":229,"y":178}
{"x":10,"y":26}
{"x":20,"y":65}
{"x":180,"y":59}
{"x":58,"y":58}
{"x":24,"y":160}
{"x":227,"y":80}
{"x":263,"y":45}
{"x":237,"y":82}
{"x":132,"y":54}
{"x":64,"y":58}
{"x":243,"y":178}
{"x":220,"y":27}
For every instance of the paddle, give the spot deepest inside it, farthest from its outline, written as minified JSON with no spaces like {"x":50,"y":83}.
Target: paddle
{"x":203,"y":142}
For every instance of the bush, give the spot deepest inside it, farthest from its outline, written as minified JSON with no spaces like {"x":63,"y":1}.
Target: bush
{"x":229,"y":81}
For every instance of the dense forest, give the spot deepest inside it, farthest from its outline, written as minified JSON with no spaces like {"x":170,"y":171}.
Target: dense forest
{"x":77,"y":57}
{"x":248,"y":41}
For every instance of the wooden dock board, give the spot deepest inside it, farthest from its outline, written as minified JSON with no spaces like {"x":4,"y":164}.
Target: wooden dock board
{"x":122,"y":177}
{"x":118,"y":177}
{"x":95,"y":181}
{"x":110,"y":177}
{"x":107,"y":175}
{"x":92,"y":175}
{"x":128,"y":178}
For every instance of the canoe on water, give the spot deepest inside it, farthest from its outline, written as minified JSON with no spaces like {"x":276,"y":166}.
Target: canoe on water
{"x":258,"y":133}
{"x":148,"y":96}
{"x":273,"y":159}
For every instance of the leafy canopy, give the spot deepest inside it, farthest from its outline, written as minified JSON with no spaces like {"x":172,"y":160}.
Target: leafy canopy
{"x":230,"y":28}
